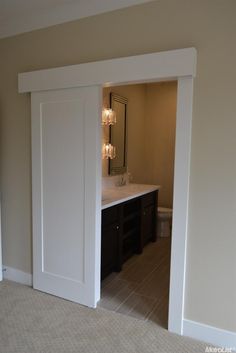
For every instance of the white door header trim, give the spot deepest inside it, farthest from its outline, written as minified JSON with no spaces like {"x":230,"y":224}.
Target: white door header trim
{"x":164,"y":65}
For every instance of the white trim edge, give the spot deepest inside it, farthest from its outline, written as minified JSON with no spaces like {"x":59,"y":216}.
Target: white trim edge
{"x":12,"y":274}
{"x":180,"y":203}
{"x":1,"y":275}
{"x":140,"y":68}
{"x":210,"y":334}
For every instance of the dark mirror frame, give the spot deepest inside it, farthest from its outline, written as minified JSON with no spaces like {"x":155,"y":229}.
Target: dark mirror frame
{"x":112,"y":170}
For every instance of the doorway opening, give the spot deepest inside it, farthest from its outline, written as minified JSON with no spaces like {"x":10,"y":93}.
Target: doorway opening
{"x":75,"y":92}
{"x":135,"y":281}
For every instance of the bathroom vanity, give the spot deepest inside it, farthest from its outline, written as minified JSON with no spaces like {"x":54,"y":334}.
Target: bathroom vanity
{"x":128,"y":223}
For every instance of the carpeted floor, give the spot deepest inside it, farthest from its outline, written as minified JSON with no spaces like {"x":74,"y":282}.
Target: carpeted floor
{"x":31,"y":321}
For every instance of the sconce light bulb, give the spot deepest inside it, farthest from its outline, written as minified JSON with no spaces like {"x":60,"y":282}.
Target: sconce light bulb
{"x":108,"y":117}
{"x":108,"y":151}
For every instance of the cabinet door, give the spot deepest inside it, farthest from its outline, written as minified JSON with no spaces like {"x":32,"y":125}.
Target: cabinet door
{"x":148,"y":218}
{"x":109,"y":246}
{"x":148,"y":223}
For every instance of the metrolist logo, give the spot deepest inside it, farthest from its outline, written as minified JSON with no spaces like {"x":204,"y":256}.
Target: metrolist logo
{"x":210,"y":349}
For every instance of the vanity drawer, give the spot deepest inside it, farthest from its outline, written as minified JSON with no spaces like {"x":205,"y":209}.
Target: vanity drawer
{"x":149,"y":199}
{"x":110,"y":215}
{"x":131,"y":207}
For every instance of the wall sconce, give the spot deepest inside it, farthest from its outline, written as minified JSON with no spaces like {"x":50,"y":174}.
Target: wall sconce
{"x":108,"y":151}
{"x":108,"y":117}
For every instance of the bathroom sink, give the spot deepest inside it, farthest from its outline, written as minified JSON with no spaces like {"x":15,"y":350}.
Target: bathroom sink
{"x":123,"y":192}
{"x":105,"y":199}
{"x":116,"y":194}
{"x":113,"y":194}
{"x":130,"y":189}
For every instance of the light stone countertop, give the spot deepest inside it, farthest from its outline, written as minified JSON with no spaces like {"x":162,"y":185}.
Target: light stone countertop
{"x":114,"y":195}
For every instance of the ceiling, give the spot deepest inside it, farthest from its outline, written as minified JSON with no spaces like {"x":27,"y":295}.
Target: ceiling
{"x":19,"y":16}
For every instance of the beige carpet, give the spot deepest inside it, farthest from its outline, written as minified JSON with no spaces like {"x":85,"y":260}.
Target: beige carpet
{"x":31,"y":321}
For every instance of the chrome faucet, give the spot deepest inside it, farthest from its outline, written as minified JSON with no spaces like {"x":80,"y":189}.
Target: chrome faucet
{"x":122,"y":180}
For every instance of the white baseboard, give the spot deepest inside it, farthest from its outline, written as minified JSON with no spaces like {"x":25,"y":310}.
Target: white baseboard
{"x":17,"y":276}
{"x":209,"y":334}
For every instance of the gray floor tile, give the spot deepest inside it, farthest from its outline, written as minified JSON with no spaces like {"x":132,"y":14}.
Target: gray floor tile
{"x":141,"y":289}
{"x":137,"y":306}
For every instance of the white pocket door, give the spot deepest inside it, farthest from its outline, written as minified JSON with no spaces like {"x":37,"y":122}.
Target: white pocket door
{"x":66,"y":179}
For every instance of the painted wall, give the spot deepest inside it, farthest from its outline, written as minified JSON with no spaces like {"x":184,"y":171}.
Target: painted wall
{"x":160,"y":121}
{"x":209,"y":26}
{"x":151,"y":118}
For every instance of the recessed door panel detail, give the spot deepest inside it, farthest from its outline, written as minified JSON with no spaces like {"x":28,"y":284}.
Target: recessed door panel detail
{"x":62,"y":137}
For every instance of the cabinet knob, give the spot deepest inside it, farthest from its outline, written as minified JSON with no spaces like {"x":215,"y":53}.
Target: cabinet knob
{"x":117,"y":227}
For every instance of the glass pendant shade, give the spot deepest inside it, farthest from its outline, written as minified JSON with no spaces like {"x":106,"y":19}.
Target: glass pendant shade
{"x":108,"y":151}
{"x":108,"y":117}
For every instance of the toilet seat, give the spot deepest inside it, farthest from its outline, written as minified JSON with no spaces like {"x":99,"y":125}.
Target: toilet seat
{"x":164,"y":212}
{"x":164,"y":209}
{"x":164,"y":216}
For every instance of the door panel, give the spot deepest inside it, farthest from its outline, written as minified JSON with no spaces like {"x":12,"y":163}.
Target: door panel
{"x":62,"y":157}
{"x":1,"y":276}
{"x":66,"y":193}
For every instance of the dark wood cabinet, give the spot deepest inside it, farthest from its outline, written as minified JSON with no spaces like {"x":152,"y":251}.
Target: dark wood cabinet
{"x":147,"y":224}
{"x":110,"y":240}
{"x":126,"y":229}
{"x":148,"y":218}
{"x":130,"y":235}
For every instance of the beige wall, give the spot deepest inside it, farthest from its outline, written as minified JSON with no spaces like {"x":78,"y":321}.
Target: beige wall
{"x":160,"y":119}
{"x":208,"y":25}
{"x":151,"y":118}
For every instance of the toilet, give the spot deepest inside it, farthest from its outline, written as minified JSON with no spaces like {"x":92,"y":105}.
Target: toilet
{"x":164,"y":222}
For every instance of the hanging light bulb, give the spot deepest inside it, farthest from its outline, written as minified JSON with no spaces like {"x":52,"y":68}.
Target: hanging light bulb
{"x":108,"y":117}
{"x":108,"y":151}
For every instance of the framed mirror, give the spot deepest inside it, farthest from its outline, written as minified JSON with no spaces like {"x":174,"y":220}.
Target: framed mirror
{"x":118,"y":134}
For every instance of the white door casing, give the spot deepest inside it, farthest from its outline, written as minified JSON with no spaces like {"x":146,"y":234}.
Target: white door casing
{"x":180,"y":203}
{"x":1,"y":275}
{"x":66,"y":179}
{"x":178,"y":65}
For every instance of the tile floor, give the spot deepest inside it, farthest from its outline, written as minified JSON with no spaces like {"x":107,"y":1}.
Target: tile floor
{"x":141,"y":289}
